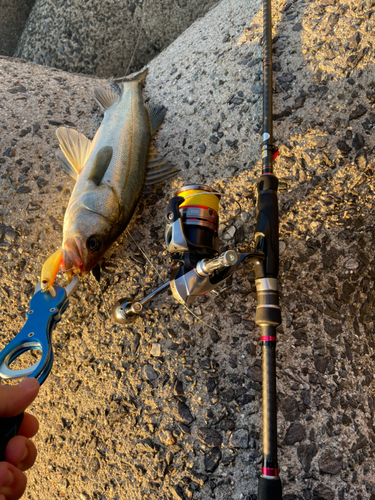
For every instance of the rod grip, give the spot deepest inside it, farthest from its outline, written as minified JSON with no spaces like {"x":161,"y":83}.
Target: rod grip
{"x":267,"y":227}
{"x":269,"y":488}
{"x":9,"y":428}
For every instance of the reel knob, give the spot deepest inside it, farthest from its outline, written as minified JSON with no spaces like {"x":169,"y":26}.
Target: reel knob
{"x":124,"y":311}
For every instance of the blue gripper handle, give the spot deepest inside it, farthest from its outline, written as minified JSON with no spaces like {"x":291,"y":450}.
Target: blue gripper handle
{"x":43,"y":315}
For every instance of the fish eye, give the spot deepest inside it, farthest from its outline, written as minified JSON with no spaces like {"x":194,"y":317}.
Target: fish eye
{"x":93,"y":244}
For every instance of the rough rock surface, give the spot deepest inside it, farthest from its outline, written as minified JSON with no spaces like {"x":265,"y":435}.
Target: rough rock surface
{"x":104,"y":38}
{"x":13,"y":16}
{"x":103,"y":421}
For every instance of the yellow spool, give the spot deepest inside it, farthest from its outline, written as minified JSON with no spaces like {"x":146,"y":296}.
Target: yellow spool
{"x":199,"y":198}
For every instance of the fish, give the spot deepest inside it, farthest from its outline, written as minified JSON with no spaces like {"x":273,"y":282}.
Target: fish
{"x":110,"y":172}
{"x":49,"y":271}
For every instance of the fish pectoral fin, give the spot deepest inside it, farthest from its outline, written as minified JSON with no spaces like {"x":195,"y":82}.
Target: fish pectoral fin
{"x":105,"y":98}
{"x":76,"y":147}
{"x":66,"y":165}
{"x":100,"y":164}
{"x":156,"y":115}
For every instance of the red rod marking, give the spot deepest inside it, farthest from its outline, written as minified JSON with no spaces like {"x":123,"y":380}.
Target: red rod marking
{"x":266,"y":471}
{"x":265,"y":338}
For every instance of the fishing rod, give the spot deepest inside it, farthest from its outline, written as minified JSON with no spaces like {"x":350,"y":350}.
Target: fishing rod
{"x":191,"y":238}
{"x":268,"y":315}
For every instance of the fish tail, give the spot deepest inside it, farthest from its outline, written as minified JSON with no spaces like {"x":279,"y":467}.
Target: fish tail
{"x":139,"y":77}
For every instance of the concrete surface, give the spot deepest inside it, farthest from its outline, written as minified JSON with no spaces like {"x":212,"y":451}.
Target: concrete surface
{"x":104,"y":38}
{"x":115,"y":423}
{"x":13,"y":16}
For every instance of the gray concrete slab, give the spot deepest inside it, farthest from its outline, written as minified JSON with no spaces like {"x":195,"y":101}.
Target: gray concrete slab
{"x":104,"y":38}
{"x":13,"y":16}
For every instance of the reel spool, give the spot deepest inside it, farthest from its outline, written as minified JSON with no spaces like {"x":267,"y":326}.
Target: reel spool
{"x":191,"y":237}
{"x":198,"y":211}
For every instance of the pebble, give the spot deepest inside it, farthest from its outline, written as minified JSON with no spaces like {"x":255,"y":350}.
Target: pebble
{"x":329,"y":464}
{"x":178,"y":389}
{"x":230,"y":232}
{"x":149,"y":373}
{"x":197,"y":477}
{"x":209,"y":437}
{"x":351,"y":264}
{"x":255,"y":373}
{"x":344,"y":147}
{"x":306,"y":453}
{"x":212,"y":459}
{"x":8,"y":235}
{"x":288,"y":406}
{"x":295,"y":434}
{"x":135,"y":343}
{"x":323,"y":492}
{"x":359,"y":111}
{"x":166,"y":437}
{"x":155,"y":350}
{"x":239,"y":439}
{"x":94,"y":464}
{"x":177,"y":492}
{"x":319,"y":141}
{"x":257,"y":89}
{"x":182,"y":413}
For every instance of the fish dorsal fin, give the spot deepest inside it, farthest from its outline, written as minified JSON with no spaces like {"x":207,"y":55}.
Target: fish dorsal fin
{"x":100,"y":164}
{"x":105,"y":98}
{"x":76,"y":148}
{"x":156,"y":114}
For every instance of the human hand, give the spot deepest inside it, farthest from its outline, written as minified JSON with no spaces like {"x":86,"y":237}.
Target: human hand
{"x":20,"y":453}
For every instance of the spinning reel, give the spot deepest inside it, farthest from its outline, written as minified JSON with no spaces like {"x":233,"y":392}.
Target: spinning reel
{"x":191,"y":236}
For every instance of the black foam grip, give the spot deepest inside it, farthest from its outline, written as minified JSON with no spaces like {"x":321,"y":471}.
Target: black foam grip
{"x":268,"y":222}
{"x":269,"y":489}
{"x":9,"y":428}
{"x":267,"y":316}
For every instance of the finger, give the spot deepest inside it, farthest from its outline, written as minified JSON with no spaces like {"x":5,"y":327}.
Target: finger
{"x":14,"y":399}
{"x":29,"y":426}
{"x":21,"y":452}
{"x":12,"y":482}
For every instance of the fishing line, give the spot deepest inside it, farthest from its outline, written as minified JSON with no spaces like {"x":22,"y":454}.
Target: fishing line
{"x":215,"y":206}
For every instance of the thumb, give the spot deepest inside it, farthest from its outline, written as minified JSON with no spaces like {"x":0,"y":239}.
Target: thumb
{"x":14,"y":399}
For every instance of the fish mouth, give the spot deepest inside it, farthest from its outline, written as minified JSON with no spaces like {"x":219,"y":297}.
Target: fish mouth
{"x":72,"y":256}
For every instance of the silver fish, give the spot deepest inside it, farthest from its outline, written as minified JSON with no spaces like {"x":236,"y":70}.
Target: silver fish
{"x":110,"y":172}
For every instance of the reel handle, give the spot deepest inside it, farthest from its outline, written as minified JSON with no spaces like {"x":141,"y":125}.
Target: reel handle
{"x":9,"y":428}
